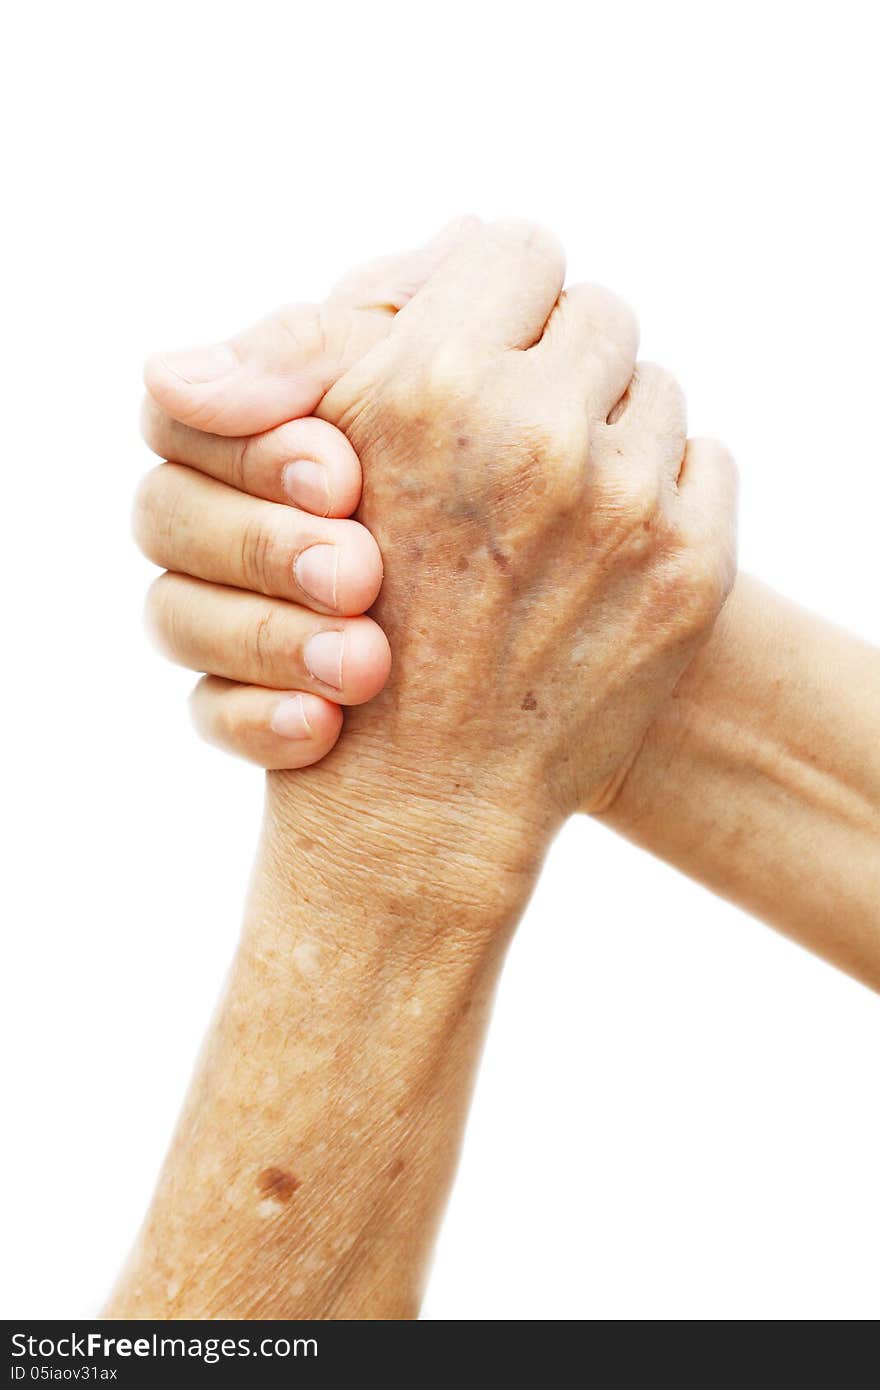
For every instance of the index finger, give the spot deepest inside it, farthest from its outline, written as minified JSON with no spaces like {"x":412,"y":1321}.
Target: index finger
{"x":305,"y":463}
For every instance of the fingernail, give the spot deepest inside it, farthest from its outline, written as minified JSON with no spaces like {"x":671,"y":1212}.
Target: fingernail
{"x":199,"y":365}
{"x":323,"y":657}
{"x":307,"y":484}
{"x":289,"y":718}
{"x":316,"y":570}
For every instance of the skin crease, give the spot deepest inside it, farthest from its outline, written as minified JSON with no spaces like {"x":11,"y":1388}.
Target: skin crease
{"x":316,"y":1146}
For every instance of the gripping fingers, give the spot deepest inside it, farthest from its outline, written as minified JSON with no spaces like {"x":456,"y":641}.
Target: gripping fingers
{"x":265,"y":641}
{"x":193,"y":525}
{"x":305,"y":462}
{"x":276,"y":731}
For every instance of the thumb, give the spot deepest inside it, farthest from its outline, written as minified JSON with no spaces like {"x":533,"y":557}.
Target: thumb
{"x":279,"y":369}
{"x":275,"y":371}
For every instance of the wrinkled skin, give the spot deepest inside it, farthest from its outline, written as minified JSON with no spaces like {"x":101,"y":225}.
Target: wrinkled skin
{"x":546,"y":580}
{"x":555,"y":551}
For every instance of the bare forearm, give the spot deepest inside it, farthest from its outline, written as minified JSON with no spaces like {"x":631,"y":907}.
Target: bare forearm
{"x":761,"y":778}
{"x":313,"y":1158}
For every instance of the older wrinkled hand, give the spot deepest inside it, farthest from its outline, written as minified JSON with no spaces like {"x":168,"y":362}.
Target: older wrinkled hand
{"x":554,"y":551}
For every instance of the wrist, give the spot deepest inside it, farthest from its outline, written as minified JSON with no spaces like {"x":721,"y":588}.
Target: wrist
{"x":403,"y":856}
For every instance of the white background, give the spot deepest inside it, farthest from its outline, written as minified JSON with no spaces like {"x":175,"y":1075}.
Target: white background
{"x":678,"y":1112}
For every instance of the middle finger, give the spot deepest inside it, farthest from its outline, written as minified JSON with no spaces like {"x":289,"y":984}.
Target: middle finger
{"x":191,"y":524}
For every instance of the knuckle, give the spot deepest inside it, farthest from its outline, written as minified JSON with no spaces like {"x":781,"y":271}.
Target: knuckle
{"x":716,"y":460}
{"x":242,"y":462}
{"x":618,"y":319}
{"x":229,"y":722}
{"x":530,"y":239}
{"x":610,"y":316}
{"x":161,"y":614}
{"x":263,"y":642}
{"x":152,"y":516}
{"x":259,"y":558}
{"x":723,"y":458}
{"x":152,"y":425}
{"x":711,"y":446}
{"x":216,"y":714}
{"x":653,"y":416}
{"x":663,"y":394}
{"x":202,"y":707}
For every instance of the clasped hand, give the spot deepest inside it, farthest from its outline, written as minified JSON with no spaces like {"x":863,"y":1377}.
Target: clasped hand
{"x":554,"y":549}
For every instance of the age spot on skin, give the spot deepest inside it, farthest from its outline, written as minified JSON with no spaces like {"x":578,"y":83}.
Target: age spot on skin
{"x":529,"y":702}
{"x":396,"y":1169}
{"x":277,"y":1185}
{"x":306,"y":957}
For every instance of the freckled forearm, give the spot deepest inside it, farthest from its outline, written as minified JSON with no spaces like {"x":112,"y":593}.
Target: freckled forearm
{"x":312,"y":1161}
{"x":761,"y":778}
